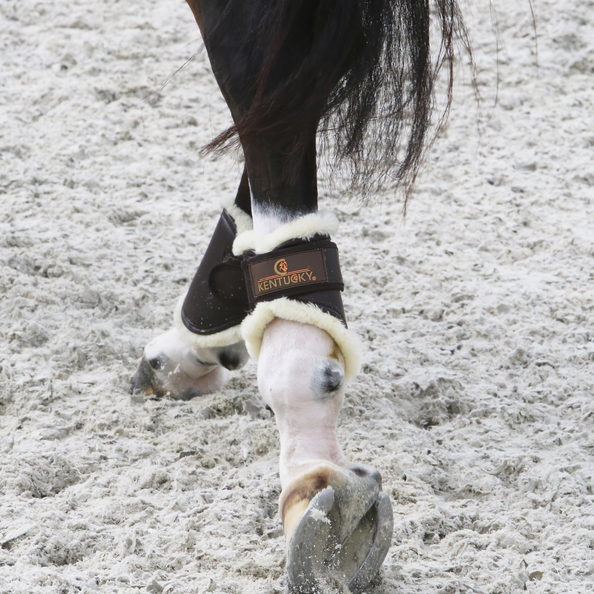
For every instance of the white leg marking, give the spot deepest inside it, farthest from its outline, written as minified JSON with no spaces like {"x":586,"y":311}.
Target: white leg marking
{"x":178,"y":366}
{"x":300,"y":376}
{"x":267,"y":218}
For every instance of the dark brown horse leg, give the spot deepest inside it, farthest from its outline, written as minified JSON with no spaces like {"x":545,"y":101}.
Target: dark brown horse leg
{"x":338,"y":524}
{"x":236,"y":64}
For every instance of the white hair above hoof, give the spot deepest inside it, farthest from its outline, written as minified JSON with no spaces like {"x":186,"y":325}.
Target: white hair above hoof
{"x":172,"y":366}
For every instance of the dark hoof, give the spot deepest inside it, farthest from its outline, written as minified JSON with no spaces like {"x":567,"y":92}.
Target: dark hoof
{"x":144,"y":381}
{"x":344,"y":533}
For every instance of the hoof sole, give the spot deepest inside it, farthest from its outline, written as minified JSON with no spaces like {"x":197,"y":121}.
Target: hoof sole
{"x":345,"y":532}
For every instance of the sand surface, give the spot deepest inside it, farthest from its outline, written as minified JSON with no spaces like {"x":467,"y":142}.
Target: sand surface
{"x":476,"y":316}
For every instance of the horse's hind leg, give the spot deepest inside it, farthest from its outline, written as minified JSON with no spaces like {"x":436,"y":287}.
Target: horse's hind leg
{"x":337,"y":522}
{"x":196,"y":355}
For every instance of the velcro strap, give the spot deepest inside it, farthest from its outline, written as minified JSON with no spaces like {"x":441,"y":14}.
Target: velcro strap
{"x":296,"y":267}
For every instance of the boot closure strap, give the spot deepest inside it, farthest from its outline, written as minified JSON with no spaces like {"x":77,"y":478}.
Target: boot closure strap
{"x":296,"y":267}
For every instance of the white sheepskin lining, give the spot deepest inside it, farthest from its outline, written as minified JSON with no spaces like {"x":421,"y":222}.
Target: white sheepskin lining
{"x":254,"y":325}
{"x":199,"y":341}
{"x":242,"y":219}
{"x":322,"y":222}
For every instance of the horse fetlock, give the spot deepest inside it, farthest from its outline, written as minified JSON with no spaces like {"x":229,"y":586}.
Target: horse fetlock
{"x":304,"y":387}
{"x":172,"y":367}
{"x":298,"y":364}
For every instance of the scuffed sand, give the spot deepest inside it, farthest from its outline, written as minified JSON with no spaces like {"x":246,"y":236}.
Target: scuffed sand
{"x":476,"y":316}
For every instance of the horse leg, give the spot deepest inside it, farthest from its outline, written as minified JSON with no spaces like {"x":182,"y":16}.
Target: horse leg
{"x":338,"y":524}
{"x":181,"y":363}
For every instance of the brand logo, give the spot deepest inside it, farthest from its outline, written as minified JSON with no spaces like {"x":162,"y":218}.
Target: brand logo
{"x":284,"y":278}
{"x":294,"y":270}
{"x":281,"y":267}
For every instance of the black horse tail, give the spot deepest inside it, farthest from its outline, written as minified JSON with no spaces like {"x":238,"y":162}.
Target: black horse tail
{"x":361,"y":72}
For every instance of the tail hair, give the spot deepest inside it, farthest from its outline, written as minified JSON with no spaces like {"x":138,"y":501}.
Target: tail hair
{"x":366,"y":80}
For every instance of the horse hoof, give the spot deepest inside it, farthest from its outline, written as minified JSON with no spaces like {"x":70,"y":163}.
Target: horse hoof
{"x":143,"y":381}
{"x":171,"y":367}
{"x":158,"y":378}
{"x":338,"y":525}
